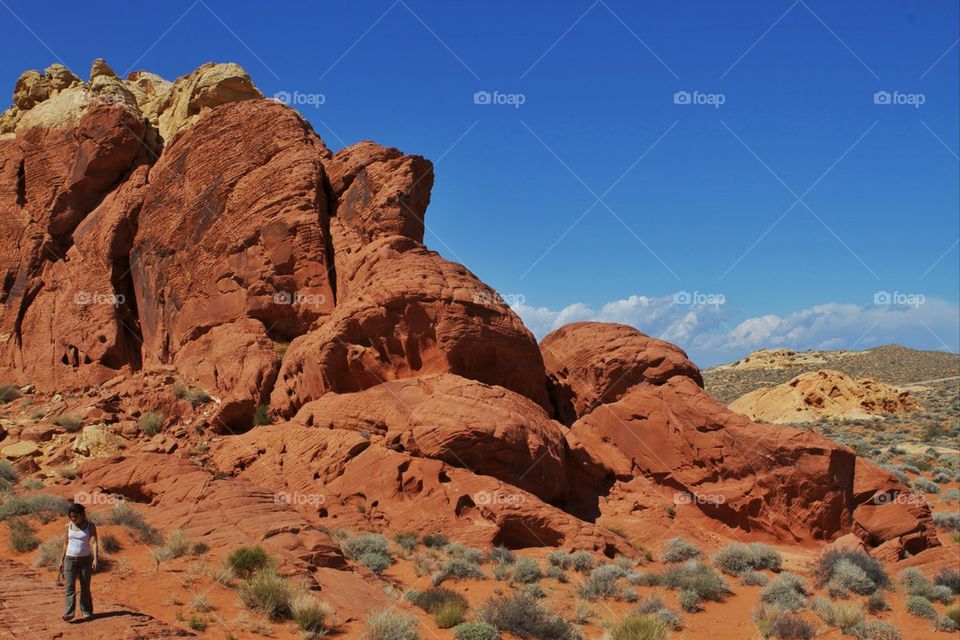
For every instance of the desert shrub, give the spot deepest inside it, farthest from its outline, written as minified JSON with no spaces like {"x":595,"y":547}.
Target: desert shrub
{"x":785,"y":591}
{"x":387,"y":625}
{"x":581,"y":561}
{"x":9,"y":393}
{"x":557,"y":574}
{"x":922,"y":484}
{"x":651,"y":604}
{"x":535,"y":591}
{"x":470,"y":554}
{"x":69,"y":421}
{"x":950,"y":496}
{"x":560,"y":559}
{"x":736,"y":558}
{"x":773,"y":622}
{"x":457,"y":569}
{"x":527,"y":571}
{"x":261,"y":416}
{"x":602,"y":583}
{"x":176,"y":545}
{"x":197,"y":623}
{"x":502,"y":555}
{"x":50,"y":552}
{"x":267,"y":593}
{"x":690,"y":601}
{"x":151,"y":423}
{"x":954,"y":614}
{"x":521,"y":615}
{"x":696,"y":576}
{"x":406,"y":541}
{"x":22,"y":536}
{"x":876,"y":603}
{"x":950,"y":578}
{"x":431,"y":599}
{"x":369,"y":549}
{"x":8,"y":474}
{"x":842,"y":616}
{"x":949,"y":520}
{"x":639,"y":627}
{"x":194,"y":395}
{"x":124,"y":515}
{"x":669,"y":617}
{"x":678,"y":550}
{"x":475,"y":631}
{"x":753,"y":578}
{"x":839,"y":568}
{"x":501,"y":572}
{"x":199,"y":603}
{"x":243,"y":562}
{"x":449,"y":614}
{"x":917,"y":584}
{"x":42,"y":505}
{"x":871,"y":629}
{"x":435,"y":540}
{"x":946,"y":624}
{"x":108,"y":542}
{"x":921,"y":607}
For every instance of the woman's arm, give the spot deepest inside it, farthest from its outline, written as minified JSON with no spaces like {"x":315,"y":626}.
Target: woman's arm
{"x":95,"y":541}
{"x":66,"y":544}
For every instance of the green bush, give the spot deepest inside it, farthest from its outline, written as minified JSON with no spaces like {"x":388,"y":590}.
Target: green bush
{"x":560,"y":559}
{"x":753,"y":578}
{"x":175,"y":546}
{"x":197,"y":623}
{"x":773,"y":622}
{"x":267,"y":593}
{"x":698,"y":577}
{"x":311,"y":615}
{"x":9,"y":393}
{"x":678,"y":550}
{"x":435,"y":540}
{"x":261,"y":416}
{"x":151,"y":423}
{"x":581,"y":561}
{"x":639,"y":627}
{"x":370,"y":549}
{"x":470,"y":554}
{"x":917,"y":584}
{"x":194,"y":395}
{"x":44,"y":505}
{"x":475,"y":631}
{"x":502,"y":555}
{"x":557,"y":574}
{"x":950,"y":578}
{"x":457,"y":569}
{"x":602,"y":583}
{"x":921,"y":607}
{"x":927,"y":486}
{"x":521,"y":615}
{"x":690,"y":601}
{"x":949,"y":520}
{"x":877,"y":603}
{"x":407,"y":541}
{"x":124,"y":515}
{"x":871,"y":629}
{"x":736,"y":558}
{"x":527,"y":571}
{"x":834,"y":567}
{"x":243,"y":562}
{"x":387,"y":625}
{"x":68,"y":421}
{"x":449,"y":614}
{"x":22,"y":536}
{"x":842,"y":616}
{"x":9,"y":475}
{"x":954,"y":614}
{"x":786,"y":592}
{"x":432,"y":599}
{"x":50,"y":553}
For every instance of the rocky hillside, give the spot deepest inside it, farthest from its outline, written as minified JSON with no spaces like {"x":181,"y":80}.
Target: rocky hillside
{"x":891,"y":364}
{"x":207,"y":312}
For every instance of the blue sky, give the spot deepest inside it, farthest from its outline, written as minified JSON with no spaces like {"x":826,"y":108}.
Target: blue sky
{"x":785,"y":212}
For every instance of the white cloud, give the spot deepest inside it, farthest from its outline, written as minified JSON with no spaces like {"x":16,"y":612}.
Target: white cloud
{"x":710,"y":336}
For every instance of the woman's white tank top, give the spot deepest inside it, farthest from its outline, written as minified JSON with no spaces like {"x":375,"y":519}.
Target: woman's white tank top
{"x":78,"y":545}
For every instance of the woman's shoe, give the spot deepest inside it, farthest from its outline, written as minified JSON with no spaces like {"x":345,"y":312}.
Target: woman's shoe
{"x":67,"y":618}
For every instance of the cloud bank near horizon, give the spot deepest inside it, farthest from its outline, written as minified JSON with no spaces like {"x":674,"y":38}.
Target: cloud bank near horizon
{"x":705,"y":327}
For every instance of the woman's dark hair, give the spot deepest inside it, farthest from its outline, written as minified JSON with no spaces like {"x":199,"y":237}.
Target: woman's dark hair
{"x":76,"y":508}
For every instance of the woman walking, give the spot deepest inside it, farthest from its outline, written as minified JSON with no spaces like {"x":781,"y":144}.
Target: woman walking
{"x":80,"y":557}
